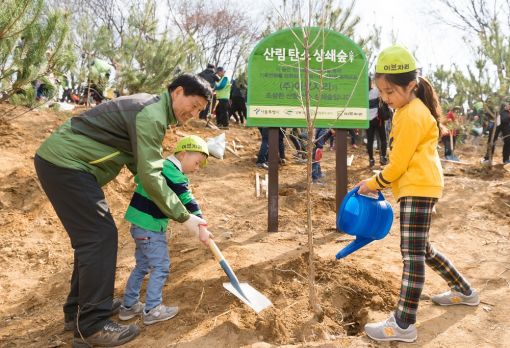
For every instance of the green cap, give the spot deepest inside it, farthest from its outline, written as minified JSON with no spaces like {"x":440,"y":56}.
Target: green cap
{"x":193,"y":143}
{"x":395,"y":59}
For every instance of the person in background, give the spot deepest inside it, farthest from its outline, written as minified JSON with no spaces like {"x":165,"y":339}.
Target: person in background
{"x":322,"y":136}
{"x":102,"y":77}
{"x":262,"y":157}
{"x":209,"y":75}
{"x":238,"y":102}
{"x":503,"y":128}
{"x":449,"y":134}
{"x":379,"y":113}
{"x":222,"y":89}
{"x":354,"y":136}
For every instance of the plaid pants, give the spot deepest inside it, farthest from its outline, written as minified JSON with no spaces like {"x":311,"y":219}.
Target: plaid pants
{"x":415,"y":216}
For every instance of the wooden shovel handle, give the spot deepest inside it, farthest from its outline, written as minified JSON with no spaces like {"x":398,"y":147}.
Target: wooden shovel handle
{"x":215,"y":250}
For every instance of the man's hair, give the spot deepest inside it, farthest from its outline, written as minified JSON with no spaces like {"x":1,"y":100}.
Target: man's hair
{"x":210,"y":66}
{"x":192,"y":85}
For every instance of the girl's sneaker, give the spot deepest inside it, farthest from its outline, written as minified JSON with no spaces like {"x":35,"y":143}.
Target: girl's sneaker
{"x":452,"y":297}
{"x":159,"y":313}
{"x":126,"y":313}
{"x":388,"y":330}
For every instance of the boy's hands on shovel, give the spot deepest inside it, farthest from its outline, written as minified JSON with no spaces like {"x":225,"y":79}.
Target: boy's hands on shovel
{"x":204,"y":235}
{"x":193,"y":224}
{"x":198,"y":227}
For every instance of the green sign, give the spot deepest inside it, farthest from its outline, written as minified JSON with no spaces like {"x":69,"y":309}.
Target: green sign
{"x":338,"y":81}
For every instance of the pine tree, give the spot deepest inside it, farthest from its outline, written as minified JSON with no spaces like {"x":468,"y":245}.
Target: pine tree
{"x":32,"y":44}
{"x":149,"y":60}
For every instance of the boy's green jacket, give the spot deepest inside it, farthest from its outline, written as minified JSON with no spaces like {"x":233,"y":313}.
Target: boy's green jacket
{"x":145,"y":214}
{"x":125,"y":131}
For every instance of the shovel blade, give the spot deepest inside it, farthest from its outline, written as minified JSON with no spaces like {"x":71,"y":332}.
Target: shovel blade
{"x":252,"y":298}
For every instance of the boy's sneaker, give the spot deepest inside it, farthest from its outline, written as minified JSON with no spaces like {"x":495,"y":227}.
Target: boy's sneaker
{"x":388,"y":330}
{"x":262,"y":165}
{"x":126,"y":313}
{"x":159,"y":313}
{"x":452,"y":297}
{"x":70,"y":324}
{"x":112,"y":334}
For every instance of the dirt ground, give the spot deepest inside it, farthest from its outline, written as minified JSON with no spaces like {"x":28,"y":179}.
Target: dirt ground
{"x":472,"y":227}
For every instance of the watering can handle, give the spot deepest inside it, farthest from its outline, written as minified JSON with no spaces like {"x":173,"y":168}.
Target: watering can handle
{"x":351,"y":193}
{"x":356,"y":189}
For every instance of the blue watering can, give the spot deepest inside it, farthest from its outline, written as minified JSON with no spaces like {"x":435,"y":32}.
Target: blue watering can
{"x":367,"y":218}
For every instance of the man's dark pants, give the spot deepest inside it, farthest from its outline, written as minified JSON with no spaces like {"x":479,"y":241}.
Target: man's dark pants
{"x":81,"y":207}
{"x":222,"y":113}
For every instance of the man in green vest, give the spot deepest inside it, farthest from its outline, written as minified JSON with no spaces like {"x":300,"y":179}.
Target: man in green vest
{"x":87,"y":152}
{"x":222,"y":89}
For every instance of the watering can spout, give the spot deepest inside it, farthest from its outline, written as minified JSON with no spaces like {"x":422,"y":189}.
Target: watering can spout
{"x":356,"y":244}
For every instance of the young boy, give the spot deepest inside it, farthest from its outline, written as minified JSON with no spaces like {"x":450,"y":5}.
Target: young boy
{"x":149,"y":232}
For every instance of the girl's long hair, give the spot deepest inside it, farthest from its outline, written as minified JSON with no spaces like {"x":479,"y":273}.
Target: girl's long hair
{"x":424,"y":90}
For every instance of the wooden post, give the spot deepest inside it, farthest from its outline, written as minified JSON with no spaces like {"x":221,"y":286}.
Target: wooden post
{"x":341,"y":166}
{"x":257,"y":184}
{"x":272,"y":202}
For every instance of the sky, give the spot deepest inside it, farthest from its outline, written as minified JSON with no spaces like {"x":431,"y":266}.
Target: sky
{"x":434,"y":43}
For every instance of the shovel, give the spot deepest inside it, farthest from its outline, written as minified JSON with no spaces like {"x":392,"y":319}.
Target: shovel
{"x":243,"y":291}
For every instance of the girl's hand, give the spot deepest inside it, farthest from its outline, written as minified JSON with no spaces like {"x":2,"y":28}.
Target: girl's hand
{"x":363,"y":188}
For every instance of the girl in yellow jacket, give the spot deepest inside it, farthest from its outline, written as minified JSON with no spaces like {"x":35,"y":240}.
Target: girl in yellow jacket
{"x":416,"y":178}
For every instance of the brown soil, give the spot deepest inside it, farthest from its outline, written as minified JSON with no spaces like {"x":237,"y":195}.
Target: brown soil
{"x":471,"y":227}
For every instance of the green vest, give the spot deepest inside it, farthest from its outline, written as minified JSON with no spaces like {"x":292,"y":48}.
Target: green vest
{"x":223,"y":93}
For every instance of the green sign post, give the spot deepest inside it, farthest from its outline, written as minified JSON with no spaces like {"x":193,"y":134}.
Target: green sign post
{"x":276,"y":94}
{"x":338,"y":81}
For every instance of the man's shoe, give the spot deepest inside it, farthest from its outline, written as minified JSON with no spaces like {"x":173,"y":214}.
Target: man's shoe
{"x":453,"y":297}
{"x":452,"y":158}
{"x":318,"y":182}
{"x":159,"y":313}
{"x":111,"y":335}
{"x":262,"y":165}
{"x":126,"y":313}
{"x":70,"y":324}
{"x":371,"y":162}
{"x":388,"y":330}
{"x":384,"y":161}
